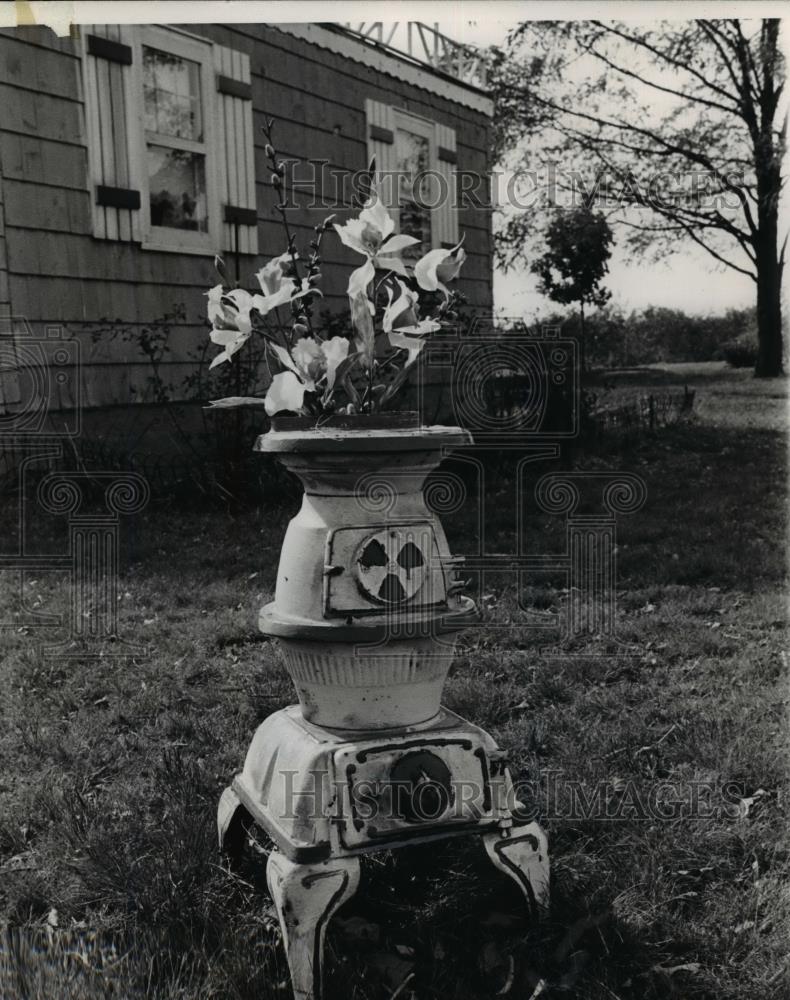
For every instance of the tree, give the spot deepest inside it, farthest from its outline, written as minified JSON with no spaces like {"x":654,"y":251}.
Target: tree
{"x":575,"y":261}
{"x":678,"y":123}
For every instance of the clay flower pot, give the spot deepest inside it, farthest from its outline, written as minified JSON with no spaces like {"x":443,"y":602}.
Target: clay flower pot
{"x":367,"y":604}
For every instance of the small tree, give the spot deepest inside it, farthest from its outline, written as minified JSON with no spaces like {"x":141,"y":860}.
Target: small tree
{"x":576,"y":260}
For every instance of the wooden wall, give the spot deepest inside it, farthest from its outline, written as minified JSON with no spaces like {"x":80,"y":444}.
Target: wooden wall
{"x":5,"y":298}
{"x":57,"y":273}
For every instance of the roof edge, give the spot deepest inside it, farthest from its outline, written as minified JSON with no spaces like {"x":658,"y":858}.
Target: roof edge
{"x":391,"y":62}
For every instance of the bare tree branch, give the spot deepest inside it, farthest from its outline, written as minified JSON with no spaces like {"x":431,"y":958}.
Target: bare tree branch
{"x":684,"y":95}
{"x":666,"y":57}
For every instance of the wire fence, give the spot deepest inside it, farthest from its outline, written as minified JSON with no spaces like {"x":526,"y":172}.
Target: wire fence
{"x":638,"y":415}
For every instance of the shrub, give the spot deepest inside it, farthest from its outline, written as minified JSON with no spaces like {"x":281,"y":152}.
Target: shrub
{"x":741,"y":352}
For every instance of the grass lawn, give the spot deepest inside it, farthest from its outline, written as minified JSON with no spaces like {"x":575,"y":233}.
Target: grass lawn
{"x":110,"y":883}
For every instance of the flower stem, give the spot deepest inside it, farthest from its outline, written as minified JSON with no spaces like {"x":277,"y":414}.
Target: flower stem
{"x":297,"y":307}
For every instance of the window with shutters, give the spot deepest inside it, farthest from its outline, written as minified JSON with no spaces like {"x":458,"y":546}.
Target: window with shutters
{"x":418,"y":157}
{"x":170,"y":140}
{"x":413,"y":161}
{"x":177,"y":173}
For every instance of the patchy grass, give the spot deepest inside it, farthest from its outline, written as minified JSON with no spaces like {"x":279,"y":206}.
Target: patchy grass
{"x":726,"y":397}
{"x":110,"y":885}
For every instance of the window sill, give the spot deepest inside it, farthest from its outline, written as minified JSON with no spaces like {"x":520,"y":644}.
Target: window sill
{"x":176,"y":248}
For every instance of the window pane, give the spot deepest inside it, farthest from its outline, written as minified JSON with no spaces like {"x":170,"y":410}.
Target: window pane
{"x":412,"y":152}
{"x":177,"y":185}
{"x":171,"y":88}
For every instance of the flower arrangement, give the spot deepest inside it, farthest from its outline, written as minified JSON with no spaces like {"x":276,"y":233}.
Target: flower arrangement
{"x":317,"y":375}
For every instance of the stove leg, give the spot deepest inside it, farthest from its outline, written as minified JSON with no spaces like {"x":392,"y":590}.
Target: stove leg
{"x":306,"y":896}
{"x":233,"y":821}
{"x":522,"y":852}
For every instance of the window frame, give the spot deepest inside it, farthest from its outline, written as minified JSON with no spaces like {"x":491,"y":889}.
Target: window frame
{"x":425,"y":128}
{"x":182,"y":46}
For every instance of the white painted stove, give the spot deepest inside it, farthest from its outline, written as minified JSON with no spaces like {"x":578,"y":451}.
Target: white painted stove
{"x":367,"y":607}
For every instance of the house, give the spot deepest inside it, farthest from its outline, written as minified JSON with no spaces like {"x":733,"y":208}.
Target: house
{"x":131,"y":155}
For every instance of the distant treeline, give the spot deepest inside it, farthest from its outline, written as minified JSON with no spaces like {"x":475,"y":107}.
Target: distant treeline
{"x":614,"y":338}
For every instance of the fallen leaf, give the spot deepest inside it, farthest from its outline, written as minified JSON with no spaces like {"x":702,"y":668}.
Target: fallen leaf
{"x":670,"y":970}
{"x":357,"y":929}
{"x":20,"y":862}
{"x":745,"y":805}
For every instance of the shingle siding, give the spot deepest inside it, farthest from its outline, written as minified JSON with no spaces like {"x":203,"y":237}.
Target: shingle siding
{"x":52,"y":270}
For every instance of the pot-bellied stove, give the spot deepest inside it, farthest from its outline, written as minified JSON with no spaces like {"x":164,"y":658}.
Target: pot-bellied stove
{"x":366,"y":608}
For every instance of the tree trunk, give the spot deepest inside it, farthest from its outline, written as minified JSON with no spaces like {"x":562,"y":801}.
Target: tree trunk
{"x":769,"y":311}
{"x":582,"y":341}
{"x":768,"y":169}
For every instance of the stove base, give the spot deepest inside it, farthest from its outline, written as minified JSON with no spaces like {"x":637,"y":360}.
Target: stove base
{"x":327,"y":796}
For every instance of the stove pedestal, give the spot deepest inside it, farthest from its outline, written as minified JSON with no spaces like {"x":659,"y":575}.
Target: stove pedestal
{"x":326,"y":796}
{"x":306,"y":896}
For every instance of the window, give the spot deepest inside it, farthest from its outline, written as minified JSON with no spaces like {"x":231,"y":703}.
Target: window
{"x":180,"y":200}
{"x":413,"y":158}
{"x":421,"y":154}
{"x":170,"y":140}
{"x":175,"y":142}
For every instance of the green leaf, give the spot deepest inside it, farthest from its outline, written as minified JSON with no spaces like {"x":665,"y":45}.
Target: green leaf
{"x":351,"y":392}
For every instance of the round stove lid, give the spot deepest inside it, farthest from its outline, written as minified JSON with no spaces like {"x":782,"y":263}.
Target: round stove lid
{"x":362,"y":439}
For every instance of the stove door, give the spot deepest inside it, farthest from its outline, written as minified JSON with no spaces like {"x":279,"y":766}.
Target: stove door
{"x":412,"y":789}
{"x":392,"y":568}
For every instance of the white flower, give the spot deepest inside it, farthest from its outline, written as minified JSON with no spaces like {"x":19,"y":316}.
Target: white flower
{"x":335,"y":353}
{"x":370,"y":235}
{"x":312,"y":360}
{"x":437,"y":267}
{"x":402,"y":325}
{"x":215,"y":311}
{"x":309,"y":358}
{"x":400,"y":311}
{"x":230,"y":316}
{"x":229,"y":310}
{"x":286,"y":392}
{"x":410,"y":344}
{"x":277,"y":289}
{"x":270,"y":276}
{"x":231,"y":341}
{"x":288,"y":359}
